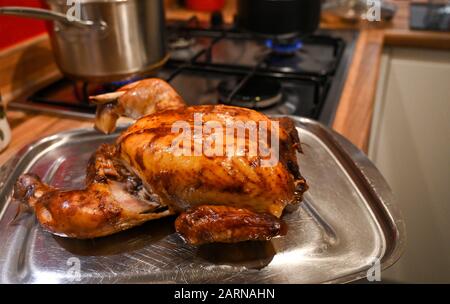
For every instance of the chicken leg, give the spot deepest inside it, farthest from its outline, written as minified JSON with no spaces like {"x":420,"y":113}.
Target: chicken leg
{"x":113,"y":200}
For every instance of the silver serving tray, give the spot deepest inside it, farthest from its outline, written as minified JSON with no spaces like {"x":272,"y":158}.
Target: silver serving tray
{"x":345,"y":223}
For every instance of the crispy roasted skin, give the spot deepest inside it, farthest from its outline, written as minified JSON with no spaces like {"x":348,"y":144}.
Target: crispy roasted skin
{"x":227,"y":198}
{"x":184,"y":182}
{"x":223,"y":224}
{"x":112,"y":201}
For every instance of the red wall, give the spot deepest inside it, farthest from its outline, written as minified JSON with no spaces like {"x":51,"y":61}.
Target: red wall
{"x":16,"y":29}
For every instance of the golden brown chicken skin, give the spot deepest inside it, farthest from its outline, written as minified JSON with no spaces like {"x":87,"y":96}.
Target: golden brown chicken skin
{"x":186,"y":181}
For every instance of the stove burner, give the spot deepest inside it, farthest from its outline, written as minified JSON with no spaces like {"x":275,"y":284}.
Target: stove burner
{"x":284,"y":47}
{"x":82,"y":90}
{"x":113,"y":86}
{"x":180,"y":43}
{"x":257,"y":93}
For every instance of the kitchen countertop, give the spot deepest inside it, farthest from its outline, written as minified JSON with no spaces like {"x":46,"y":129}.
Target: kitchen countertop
{"x":353,"y":117}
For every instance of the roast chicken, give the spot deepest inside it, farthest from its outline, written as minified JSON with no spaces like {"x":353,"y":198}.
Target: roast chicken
{"x":228,"y":197}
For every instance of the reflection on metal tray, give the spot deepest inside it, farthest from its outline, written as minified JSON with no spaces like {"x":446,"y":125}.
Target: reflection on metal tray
{"x":346,"y":222}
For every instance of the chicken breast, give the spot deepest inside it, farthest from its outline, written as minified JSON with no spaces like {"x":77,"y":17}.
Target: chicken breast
{"x":186,"y":181}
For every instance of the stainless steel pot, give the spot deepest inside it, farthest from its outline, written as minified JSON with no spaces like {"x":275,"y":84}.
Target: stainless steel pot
{"x":111,"y":39}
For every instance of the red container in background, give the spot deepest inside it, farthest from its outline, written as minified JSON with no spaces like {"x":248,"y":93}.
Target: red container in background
{"x":205,"y":5}
{"x":15,"y":29}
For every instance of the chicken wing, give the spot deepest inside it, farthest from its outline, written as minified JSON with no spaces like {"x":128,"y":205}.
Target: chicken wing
{"x":223,"y":224}
{"x":134,"y":100}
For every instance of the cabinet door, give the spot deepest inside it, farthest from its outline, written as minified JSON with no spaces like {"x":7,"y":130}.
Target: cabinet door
{"x":410,"y":144}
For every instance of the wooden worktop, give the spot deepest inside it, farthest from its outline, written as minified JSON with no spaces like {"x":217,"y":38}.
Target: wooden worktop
{"x":21,"y":73}
{"x":354,"y":114}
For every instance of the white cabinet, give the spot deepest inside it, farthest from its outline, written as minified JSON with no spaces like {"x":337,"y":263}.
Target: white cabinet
{"x":410,"y":144}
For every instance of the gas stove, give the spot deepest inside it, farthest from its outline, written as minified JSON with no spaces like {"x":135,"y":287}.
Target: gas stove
{"x":210,"y":65}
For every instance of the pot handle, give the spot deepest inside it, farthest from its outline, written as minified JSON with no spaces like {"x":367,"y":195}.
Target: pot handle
{"x":39,"y":13}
